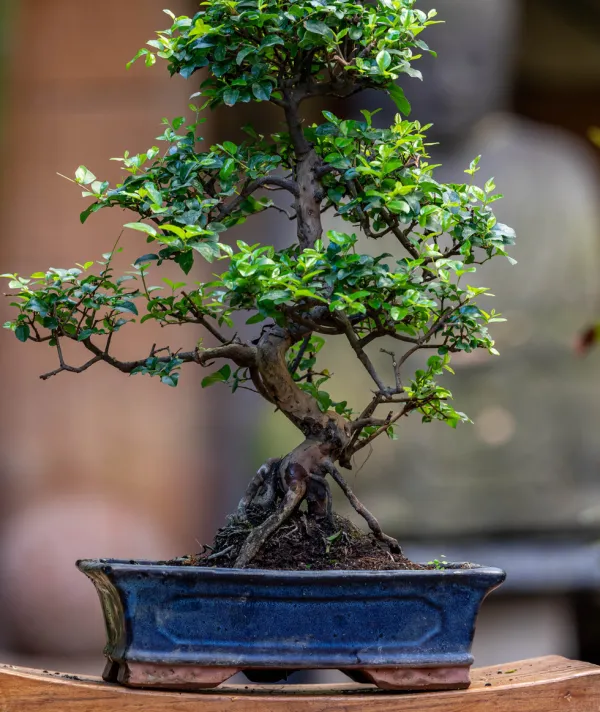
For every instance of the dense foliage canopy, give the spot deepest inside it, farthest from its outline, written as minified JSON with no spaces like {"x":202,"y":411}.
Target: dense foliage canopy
{"x":187,"y":195}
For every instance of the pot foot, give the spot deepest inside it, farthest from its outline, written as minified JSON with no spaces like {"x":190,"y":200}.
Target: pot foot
{"x":111,"y":671}
{"x":431,"y":678}
{"x":173,"y":677}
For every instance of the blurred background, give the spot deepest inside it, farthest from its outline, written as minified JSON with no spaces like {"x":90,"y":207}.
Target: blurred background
{"x":105,"y":465}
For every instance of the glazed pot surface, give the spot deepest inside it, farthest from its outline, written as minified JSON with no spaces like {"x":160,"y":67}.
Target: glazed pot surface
{"x":185,"y":617}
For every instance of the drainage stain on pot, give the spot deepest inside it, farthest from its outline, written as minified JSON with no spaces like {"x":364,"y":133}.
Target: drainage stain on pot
{"x":396,"y":629}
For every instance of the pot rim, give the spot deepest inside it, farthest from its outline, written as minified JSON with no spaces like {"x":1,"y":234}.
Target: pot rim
{"x":447,"y":569}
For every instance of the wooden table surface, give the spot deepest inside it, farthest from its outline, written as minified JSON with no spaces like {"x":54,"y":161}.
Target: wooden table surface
{"x":548,"y":684}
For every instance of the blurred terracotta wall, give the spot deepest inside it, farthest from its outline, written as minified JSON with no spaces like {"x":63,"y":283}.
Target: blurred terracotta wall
{"x":97,"y":464}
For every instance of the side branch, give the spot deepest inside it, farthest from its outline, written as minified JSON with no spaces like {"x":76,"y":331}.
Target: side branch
{"x":103,"y":355}
{"x":241,"y":354}
{"x":251,"y":187}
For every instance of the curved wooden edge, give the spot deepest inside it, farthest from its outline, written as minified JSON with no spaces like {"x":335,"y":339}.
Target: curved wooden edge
{"x":549,"y":684}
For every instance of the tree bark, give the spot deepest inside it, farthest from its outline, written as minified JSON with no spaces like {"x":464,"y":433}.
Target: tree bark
{"x":308,"y":201}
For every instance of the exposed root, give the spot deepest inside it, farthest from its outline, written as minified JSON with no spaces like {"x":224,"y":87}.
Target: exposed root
{"x":276,"y":492}
{"x":261,"y":533}
{"x":359,"y":507}
{"x":301,"y":544}
{"x":320,"y":501}
{"x":264,"y":479}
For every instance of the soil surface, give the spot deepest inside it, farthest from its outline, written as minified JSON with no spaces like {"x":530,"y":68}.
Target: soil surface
{"x":300,"y":545}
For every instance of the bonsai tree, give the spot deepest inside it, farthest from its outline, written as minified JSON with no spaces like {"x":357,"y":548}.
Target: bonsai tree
{"x":187,"y":196}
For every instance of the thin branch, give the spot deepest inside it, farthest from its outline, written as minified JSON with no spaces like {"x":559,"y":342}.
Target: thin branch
{"x":395,"y":367}
{"x":421,"y":344}
{"x":202,"y":320}
{"x":363,"y":443}
{"x":254,"y":185}
{"x":241,"y":354}
{"x":129,"y":366}
{"x":290,"y":216}
{"x":402,"y":235}
{"x":371,"y":422}
{"x":359,"y":351}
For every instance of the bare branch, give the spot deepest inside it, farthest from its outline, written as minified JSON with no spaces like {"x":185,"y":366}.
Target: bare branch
{"x":359,"y":351}
{"x":371,"y":422}
{"x":129,"y":366}
{"x":241,"y":354}
{"x":201,"y":319}
{"x":363,"y":443}
{"x":279,"y":209}
{"x":396,"y":369}
{"x":254,"y":185}
{"x":71,"y":369}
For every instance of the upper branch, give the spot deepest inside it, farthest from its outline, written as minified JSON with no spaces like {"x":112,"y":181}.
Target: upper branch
{"x":251,"y":187}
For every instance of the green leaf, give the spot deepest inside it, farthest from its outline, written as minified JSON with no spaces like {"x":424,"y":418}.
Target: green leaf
{"x":84,"y":176}
{"x":185,"y":260}
{"x":145,"y":258}
{"x":35,"y":305}
{"x":208,"y":250}
{"x":142,"y":227}
{"x":22,"y":332}
{"x":154,"y":193}
{"x":398,"y":314}
{"x":277,"y":296}
{"x":228,"y":169}
{"x":318,"y":28}
{"x":399,"y":99}
{"x":220,"y":376}
{"x":398,"y":206}
{"x":230,"y":96}
{"x":384,"y":59}
{"x":243,"y":53}
{"x":271,"y":40}
{"x":262,"y":91}
{"x":127,"y":306}
{"x":256,"y":319}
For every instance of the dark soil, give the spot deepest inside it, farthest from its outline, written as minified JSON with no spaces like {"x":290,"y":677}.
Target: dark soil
{"x":300,"y":545}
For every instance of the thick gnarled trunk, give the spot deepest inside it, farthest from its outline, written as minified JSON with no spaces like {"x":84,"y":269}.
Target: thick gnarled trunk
{"x":282,"y":484}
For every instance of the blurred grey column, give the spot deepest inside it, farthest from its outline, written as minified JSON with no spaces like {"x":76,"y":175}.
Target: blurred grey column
{"x":97,"y":464}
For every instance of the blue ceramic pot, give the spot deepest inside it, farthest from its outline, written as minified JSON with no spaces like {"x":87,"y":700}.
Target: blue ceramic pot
{"x":193,"y":627}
